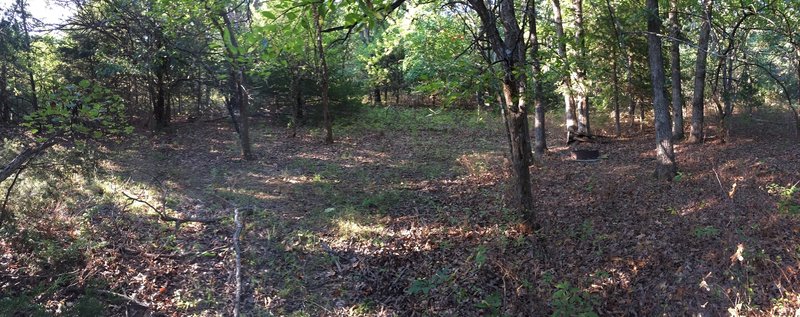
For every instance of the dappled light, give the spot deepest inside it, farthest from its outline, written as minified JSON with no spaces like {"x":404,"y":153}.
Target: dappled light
{"x":399,"y":158}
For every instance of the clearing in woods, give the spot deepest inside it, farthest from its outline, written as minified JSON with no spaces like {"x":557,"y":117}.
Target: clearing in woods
{"x":405,"y":215}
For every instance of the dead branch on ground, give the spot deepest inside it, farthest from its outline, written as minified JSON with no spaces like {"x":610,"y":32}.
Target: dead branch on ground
{"x":238,"y":270}
{"x":162,"y":212}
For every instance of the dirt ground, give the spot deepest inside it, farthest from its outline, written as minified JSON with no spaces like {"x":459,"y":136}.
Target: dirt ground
{"x":406,"y":214}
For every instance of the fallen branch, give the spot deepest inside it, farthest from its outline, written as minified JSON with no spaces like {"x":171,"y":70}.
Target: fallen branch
{"x":162,"y":214}
{"x":26,"y":155}
{"x":238,"y":271}
{"x":125,"y":297}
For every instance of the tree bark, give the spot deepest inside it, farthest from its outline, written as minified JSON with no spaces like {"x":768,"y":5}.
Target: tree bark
{"x":160,"y":107}
{"x":512,"y":54}
{"x":238,"y":94}
{"x":675,"y":65}
{"x":325,"y":80}
{"x":580,"y":72}
{"x":569,"y":102}
{"x":5,"y":109}
{"x":696,"y":134}
{"x":615,"y":65}
{"x":24,"y":157}
{"x":631,"y":96}
{"x":24,"y":15}
{"x":665,"y":156}
{"x":540,"y":145}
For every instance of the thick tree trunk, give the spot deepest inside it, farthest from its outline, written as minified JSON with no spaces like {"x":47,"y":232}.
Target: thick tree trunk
{"x":569,"y":102}
{"x":665,"y":156}
{"x":675,"y":65}
{"x":582,"y":97}
{"x":540,"y":145}
{"x":696,"y":134}
{"x":325,"y":81}
{"x":513,"y":58}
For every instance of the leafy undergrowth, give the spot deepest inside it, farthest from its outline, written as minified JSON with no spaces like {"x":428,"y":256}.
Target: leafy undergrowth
{"x":406,"y":215}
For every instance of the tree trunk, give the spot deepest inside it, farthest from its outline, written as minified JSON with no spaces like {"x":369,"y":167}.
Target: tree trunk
{"x":696,"y":134}
{"x":24,"y":15}
{"x":580,"y":72}
{"x":238,"y":94}
{"x":726,"y":115}
{"x":615,"y":65}
{"x":631,"y":97}
{"x":297,"y":95}
{"x":376,"y":96}
{"x":665,"y":157}
{"x":5,"y":109}
{"x":675,"y":63}
{"x":569,"y":102}
{"x":325,"y":80}
{"x":540,"y":145}
{"x":159,"y":108}
{"x":513,"y":58}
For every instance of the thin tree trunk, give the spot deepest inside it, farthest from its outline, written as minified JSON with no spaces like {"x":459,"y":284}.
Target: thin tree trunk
{"x":675,"y":63}
{"x":696,"y":134}
{"x":580,"y":71}
{"x":513,"y":56}
{"x":325,"y":80}
{"x":615,"y":63}
{"x":665,"y":156}
{"x":631,"y":97}
{"x":540,"y":145}
{"x":5,"y":109}
{"x":159,"y":108}
{"x":376,"y":96}
{"x":569,"y":102}
{"x":24,"y":14}
{"x":238,"y":94}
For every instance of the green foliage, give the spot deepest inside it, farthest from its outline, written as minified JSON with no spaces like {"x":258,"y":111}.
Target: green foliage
{"x":493,"y":303}
{"x":21,"y":305}
{"x":425,"y":285}
{"x":705,"y":232}
{"x":568,"y":301}
{"x":480,"y":256}
{"x":82,"y":111}
{"x":787,"y":202}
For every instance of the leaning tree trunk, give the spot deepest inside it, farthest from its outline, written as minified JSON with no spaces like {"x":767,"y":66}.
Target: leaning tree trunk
{"x":540,"y":145}
{"x":569,"y":102}
{"x":665,"y":157}
{"x":675,"y":63}
{"x":696,"y":134}
{"x":325,"y":80}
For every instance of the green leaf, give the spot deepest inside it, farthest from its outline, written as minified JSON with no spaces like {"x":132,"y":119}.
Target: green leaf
{"x":351,"y":18}
{"x":84,"y":83}
{"x":268,"y":15}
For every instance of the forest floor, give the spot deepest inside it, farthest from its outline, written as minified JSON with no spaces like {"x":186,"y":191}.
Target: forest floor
{"x":406,"y":214}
